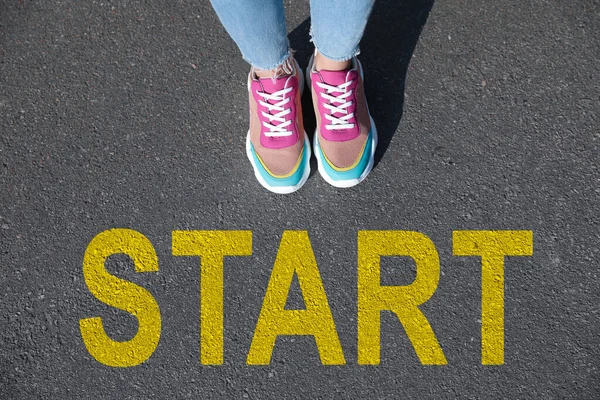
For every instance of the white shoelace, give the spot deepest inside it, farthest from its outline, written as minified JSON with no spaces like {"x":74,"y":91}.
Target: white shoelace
{"x":279,"y":96}
{"x":337,"y":123}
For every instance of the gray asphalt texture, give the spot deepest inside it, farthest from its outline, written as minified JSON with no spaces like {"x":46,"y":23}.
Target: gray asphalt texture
{"x":134,"y":113}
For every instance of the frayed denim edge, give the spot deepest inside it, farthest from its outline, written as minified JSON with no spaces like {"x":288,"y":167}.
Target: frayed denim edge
{"x":353,"y":54}
{"x":282,"y":61}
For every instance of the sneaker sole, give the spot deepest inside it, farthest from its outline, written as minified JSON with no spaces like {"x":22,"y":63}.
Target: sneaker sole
{"x":346,"y":183}
{"x":280,"y":189}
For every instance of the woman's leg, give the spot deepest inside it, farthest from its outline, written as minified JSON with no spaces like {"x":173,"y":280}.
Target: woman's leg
{"x":346,"y":137}
{"x":337,"y":28}
{"x":258,"y":28}
{"x":276,"y":143}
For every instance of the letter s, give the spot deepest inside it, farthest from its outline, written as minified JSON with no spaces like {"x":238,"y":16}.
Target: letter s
{"x":123,"y":295}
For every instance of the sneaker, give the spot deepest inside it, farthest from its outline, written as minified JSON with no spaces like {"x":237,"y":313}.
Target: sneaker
{"x":346,"y":137}
{"x":277,"y":145}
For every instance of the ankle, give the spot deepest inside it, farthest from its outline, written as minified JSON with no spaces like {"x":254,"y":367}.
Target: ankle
{"x":266,"y":73}
{"x":322,"y":62}
{"x":285,"y":69}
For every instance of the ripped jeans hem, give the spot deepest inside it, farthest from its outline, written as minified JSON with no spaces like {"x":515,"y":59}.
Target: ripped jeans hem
{"x":269,"y":67}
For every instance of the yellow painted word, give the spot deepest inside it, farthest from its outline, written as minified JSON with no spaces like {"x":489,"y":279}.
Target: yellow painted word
{"x":295,"y":256}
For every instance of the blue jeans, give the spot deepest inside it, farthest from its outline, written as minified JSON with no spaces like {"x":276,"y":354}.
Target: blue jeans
{"x":258,"y":28}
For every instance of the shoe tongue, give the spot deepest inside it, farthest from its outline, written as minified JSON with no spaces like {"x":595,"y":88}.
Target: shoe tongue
{"x":270,"y":85}
{"x":335,"y":78}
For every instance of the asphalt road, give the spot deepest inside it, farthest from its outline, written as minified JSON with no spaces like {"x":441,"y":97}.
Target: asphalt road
{"x":133,"y":114}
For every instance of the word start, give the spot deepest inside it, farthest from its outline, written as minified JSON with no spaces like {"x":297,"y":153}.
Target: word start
{"x":295,"y":256}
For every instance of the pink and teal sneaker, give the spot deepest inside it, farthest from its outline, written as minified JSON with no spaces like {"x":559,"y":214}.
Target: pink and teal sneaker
{"x":346,"y":137}
{"x":277,"y":145}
